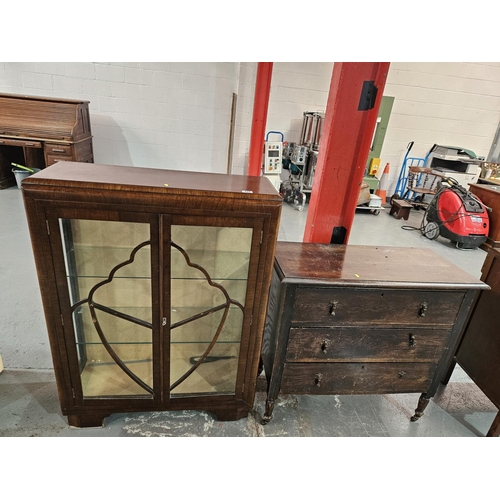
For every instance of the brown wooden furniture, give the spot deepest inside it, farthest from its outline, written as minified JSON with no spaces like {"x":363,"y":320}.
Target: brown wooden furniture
{"x":490,"y":196}
{"x":422,"y":181}
{"x":362,"y":320}
{"x":400,"y":209}
{"x":154,"y":285}
{"x":479,"y":349}
{"x":38,"y":131}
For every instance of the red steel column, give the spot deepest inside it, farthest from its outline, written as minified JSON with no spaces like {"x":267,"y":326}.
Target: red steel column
{"x":260,"y":105}
{"x":353,"y":102}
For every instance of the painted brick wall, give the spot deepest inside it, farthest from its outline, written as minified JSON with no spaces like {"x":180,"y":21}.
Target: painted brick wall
{"x":177,"y":115}
{"x":453,"y":104}
{"x":162,"y":115}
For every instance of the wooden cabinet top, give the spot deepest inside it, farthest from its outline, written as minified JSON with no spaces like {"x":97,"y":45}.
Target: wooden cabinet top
{"x":370,"y":266}
{"x":490,"y":188}
{"x":78,"y":176}
{"x":44,"y":118}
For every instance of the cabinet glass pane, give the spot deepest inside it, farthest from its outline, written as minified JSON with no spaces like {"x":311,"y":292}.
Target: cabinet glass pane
{"x":108,"y":268}
{"x":209,"y":269}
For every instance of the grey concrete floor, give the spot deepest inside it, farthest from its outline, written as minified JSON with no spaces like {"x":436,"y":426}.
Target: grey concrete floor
{"x":28,"y":398}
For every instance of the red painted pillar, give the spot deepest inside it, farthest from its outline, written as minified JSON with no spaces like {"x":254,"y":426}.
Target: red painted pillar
{"x":260,"y":105}
{"x":353,"y":102}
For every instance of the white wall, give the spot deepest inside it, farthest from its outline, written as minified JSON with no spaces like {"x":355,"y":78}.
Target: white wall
{"x":453,"y":104}
{"x":177,"y":115}
{"x":164,"y":115}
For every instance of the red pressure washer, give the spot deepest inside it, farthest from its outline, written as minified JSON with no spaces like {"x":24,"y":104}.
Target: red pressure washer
{"x":456,"y":214}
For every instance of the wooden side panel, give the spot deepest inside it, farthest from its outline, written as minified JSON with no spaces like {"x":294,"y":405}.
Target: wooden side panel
{"x":479,"y":351}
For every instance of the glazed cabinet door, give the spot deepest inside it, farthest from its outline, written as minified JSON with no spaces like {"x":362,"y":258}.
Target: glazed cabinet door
{"x":212,"y":271}
{"x":107,"y":268}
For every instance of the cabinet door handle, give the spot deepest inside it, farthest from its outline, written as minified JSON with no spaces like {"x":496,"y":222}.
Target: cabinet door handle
{"x":318,"y":378}
{"x":55,"y":150}
{"x":333,"y":307}
{"x":163,"y":321}
{"x":325,"y":345}
{"x":423,"y":309}
{"x":411,"y":340}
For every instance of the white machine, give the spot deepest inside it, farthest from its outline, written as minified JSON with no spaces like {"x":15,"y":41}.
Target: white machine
{"x":273,"y":160}
{"x":460,"y":163}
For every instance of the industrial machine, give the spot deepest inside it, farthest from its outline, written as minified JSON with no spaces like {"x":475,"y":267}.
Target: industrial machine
{"x":273,"y":159}
{"x":460,"y":163}
{"x":301,"y":159}
{"x":456,"y":214}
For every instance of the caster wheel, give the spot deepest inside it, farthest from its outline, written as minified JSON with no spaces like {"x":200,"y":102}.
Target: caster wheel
{"x":376,"y":212}
{"x":431,"y":230}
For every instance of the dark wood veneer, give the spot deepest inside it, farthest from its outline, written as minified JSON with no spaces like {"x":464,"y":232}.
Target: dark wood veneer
{"x":72,"y":190}
{"x":362,"y":320}
{"x":479,"y":350}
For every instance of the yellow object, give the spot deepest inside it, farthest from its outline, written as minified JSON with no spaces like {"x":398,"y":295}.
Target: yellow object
{"x":166,"y":185}
{"x":374,"y":166}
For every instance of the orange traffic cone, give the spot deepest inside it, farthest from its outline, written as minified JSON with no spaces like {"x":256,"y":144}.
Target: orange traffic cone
{"x":383,"y":184}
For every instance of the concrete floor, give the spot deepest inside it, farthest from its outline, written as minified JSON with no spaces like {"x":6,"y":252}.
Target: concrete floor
{"x":28,"y":398}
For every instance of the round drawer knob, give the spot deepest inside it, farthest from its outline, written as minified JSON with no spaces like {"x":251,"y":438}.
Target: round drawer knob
{"x":333,"y":307}
{"x":324,"y":346}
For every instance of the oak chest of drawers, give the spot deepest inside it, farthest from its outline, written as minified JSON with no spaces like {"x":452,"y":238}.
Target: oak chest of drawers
{"x":347,"y":319}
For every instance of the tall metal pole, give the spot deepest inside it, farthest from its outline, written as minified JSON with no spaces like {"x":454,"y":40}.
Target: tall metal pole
{"x":260,"y":106}
{"x":353,"y":102}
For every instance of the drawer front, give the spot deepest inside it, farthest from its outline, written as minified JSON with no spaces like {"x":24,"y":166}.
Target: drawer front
{"x":59,"y":149}
{"x":20,"y":143}
{"x":365,"y":344}
{"x":337,"y":306}
{"x":51,"y":159}
{"x":356,"y":378}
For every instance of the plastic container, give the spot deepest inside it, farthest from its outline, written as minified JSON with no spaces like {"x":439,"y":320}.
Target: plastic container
{"x":21,"y":174}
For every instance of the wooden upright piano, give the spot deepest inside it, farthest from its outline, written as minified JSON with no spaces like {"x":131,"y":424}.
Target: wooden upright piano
{"x":38,"y":131}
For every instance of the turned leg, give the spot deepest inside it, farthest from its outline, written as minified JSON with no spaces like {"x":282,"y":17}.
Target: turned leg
{"x":495,"y":427}
{"x":422,"y":405}
{"x":269,"y":411}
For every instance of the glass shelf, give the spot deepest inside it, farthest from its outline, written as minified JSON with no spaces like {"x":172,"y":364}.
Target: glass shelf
{"x":210,"y":377}
{"x":101,"y":376}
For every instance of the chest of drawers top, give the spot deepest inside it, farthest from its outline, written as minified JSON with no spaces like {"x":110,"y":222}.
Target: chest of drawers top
{"x":311,"y":264}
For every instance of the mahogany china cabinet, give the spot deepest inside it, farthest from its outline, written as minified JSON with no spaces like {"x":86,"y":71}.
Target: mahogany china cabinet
{"x":154,"y":285}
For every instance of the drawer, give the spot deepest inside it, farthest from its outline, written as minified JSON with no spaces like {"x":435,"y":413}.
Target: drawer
{"x":20,"y":143}
{"x":51,"y":159}
{"x":366,"y":345}
{"x":337,"y":306}
{"x":59,"y":149}
{"x":356,"y":378}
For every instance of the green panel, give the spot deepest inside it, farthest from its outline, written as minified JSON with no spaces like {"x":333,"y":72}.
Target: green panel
{"x":384,"y":113}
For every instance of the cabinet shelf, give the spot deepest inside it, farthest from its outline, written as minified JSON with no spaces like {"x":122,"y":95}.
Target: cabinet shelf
{"x":97,"y":261}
